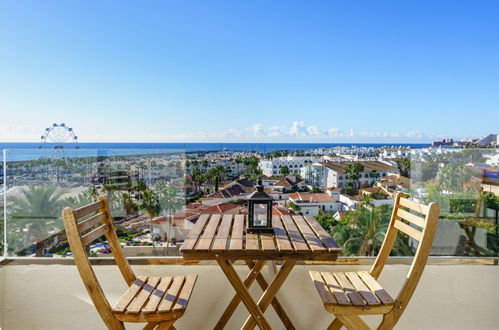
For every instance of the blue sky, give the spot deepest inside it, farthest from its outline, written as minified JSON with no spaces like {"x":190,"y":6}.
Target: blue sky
{"x":252,"y":71}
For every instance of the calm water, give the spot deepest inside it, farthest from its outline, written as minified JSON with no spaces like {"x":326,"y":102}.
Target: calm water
{"x":29,"y":151}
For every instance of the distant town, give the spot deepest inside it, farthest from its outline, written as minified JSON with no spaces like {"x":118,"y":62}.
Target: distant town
{"x":157,"y":198}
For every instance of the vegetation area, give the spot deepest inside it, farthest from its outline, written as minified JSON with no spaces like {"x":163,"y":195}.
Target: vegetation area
{"x":361,"y":232}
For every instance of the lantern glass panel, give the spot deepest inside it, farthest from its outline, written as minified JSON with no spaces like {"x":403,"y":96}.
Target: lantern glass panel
{"x":260,"y":215}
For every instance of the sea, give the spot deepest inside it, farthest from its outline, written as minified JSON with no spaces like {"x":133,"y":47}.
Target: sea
{"x":18,"y":151}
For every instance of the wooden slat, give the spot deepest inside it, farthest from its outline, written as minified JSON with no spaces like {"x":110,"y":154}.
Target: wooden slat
{"x":87,"y":209}
{"x":375,"y":287}
{"x":413,"y":232}
{"x":90,"y":222}
{"x":207,"y":236}
{"x":336,"y":289}
{"x":139,"y":300}
{"x":296,"y":238}
{"x":236,"y":238}
{"x":362,"y":288}
{"x":349,"y":289}
{"x":325,"y":237}
{"x":311,"y":238}
{"x":185,"y":294}
{"x":130,"y":294}
{"x":252,"y":242}
{"x":220,"y":241}
{"x":157,"y":295}
{"x":194,"y":234}
{"x":282,"y":239}
{"x":94,"y":234}
{"x":170,"y":297}
{"x":418,"y":221}
{"x":420,"y":208}
{"x":267,"y":242}
{"x":322,"y":289}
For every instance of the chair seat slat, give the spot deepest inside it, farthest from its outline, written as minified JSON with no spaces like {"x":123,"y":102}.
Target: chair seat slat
{"x":362,"y":289}
{"x":170,"y":297}
{"x":140,"y":299}
{"x":322,"y":289}
{"x":127,"y":297}
{"x":157,"y":295}
{"x":185,"y":294}
{"x":375,"y":287}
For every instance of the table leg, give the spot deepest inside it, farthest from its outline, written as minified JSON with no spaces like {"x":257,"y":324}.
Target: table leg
{"x":255,"y":311}
{"x":250,"y":278}
{"x":270,"y":293}
{"x":275,"y":303}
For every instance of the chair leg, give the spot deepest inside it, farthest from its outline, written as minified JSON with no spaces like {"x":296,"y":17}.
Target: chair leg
{"x":150,"y":326}
{"x":353,"y":322}
{"x":166,"y":325}
{"x":335,"y":325}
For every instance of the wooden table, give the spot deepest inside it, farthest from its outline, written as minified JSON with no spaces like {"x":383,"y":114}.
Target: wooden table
{"x":223,"y":238}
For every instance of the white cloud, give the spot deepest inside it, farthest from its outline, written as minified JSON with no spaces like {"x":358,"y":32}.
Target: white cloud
{"x":300,"y":131}
{"x":256,"y":130}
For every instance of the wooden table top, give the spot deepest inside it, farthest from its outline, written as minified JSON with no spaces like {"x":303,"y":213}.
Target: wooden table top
{"x":295,"y":237}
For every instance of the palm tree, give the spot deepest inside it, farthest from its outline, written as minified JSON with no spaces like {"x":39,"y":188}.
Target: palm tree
{"x":38,"y":209}
{"x":353,"y":173}
{"x":362,"y":231}
{"x":129,"y":204}
{"x":284,"y":170}
{"x":171,"y":202}
{"x":219,"y":174}
{"x":84,"y":198}
{"x":196,"y":173}
{"x":374,"y":174}
{"x":150,"y":204}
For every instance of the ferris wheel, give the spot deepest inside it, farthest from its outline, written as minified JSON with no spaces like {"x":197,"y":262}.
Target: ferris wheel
{"x":59,"y":141}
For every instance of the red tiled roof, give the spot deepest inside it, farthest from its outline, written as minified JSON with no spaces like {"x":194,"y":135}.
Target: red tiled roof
{"x":311,"y":197}
{"x":220,"y":208}
{"x":280,"y":211}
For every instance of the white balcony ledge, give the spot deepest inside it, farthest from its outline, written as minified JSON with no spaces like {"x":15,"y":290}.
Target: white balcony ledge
{"x":52,"y":296}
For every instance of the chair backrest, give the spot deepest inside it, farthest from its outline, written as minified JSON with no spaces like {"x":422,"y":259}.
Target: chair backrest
{"x":97,"y":222}
{"x":419,"y":222}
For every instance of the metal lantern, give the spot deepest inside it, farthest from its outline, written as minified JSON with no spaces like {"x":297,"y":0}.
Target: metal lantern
{"x":259,"y":211}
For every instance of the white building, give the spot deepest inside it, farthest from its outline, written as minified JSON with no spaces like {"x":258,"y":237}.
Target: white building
{"x":493,"y":160}
{"x":273,"y":166}
{"x":312,"y":203}
{"x":333,"y":174}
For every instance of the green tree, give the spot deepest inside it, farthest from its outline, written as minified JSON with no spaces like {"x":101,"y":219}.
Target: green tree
{"x":38,"y":209}
{"x":171,"y":201}
{"x":196,"y":173}
{"x":326,"y":220}
{"x":353,"y":173}
{"x":374,"y":174}
{"x":151,"y":205}
{"x":361,"y":232}
{"x":130,"y":206}
{"x":84,"y":198}
{"x":284,"y":170}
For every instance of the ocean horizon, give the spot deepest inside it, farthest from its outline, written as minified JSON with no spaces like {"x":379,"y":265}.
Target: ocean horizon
{"x":20,"y":151}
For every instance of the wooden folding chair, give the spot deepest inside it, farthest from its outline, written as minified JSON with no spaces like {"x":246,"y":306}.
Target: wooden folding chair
{"x":348,"y":295}
{"x":158,"y":301}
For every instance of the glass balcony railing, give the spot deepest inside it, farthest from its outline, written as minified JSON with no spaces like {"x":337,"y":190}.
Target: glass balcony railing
{"x":37,"y":184}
